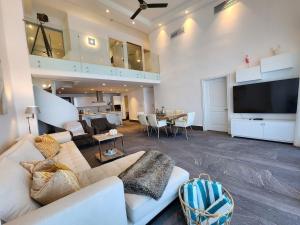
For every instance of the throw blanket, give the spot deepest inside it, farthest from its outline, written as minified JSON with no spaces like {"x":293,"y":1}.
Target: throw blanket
{"x":149,"y":175}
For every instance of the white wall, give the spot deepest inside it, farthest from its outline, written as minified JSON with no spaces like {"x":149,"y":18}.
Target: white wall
{"x":213,"y":46}
{"x":8,"y":128}
{"x":16,"y":70}
{"x":140,"y":100}
{"x":135,"y":103}
{"x":149,"y":106}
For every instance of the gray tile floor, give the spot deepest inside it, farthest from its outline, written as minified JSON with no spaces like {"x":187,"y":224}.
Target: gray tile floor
{"x":264,"y":177}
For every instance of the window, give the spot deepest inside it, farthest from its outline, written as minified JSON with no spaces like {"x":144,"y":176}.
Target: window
{"x":55,"y":38}
{"x":135,"y":61}
{"x":116,"y":53}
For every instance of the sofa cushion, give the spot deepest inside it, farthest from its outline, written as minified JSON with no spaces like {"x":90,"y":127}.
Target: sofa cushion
{"x":107,"y":170}
{"x":75,"y":127}
{"x":23,"y":150}
{"x":70,"y":155}
{"x":47,"y":145}
{"x":15,"y":184}
{"x":138,"y":206}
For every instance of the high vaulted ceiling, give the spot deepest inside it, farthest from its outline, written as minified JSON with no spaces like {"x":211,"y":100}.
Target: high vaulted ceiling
{"x":121,"y":11}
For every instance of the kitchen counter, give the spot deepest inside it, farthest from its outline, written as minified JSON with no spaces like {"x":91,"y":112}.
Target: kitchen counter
{"x":112,"y":117}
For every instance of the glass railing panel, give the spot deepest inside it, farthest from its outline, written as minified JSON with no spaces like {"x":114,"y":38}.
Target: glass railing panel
{"x":135,"y":61}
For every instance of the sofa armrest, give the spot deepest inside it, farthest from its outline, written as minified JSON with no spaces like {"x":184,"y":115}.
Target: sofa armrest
{"x":99,"y":203}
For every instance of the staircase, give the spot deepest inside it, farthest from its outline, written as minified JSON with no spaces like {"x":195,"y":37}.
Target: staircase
{"x":54,"y":110}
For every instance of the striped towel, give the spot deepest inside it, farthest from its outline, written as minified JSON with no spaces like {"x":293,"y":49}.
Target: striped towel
{"x":204,"y":195}
{"x":213,"y":190}
{"x":221,"y":206}
{"x":190,"y":197}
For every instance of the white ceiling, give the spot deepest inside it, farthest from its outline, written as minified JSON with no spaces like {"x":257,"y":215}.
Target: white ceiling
{"x":147,"y":20}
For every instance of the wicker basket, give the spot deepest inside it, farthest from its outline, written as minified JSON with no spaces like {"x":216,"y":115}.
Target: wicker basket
{"x":203,"y":214}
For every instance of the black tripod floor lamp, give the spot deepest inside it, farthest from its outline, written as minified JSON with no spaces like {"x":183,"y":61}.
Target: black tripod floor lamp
{"x":31,"y":111}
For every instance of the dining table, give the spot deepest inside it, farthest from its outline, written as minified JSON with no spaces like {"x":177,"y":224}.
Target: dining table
{"x":171,"y":120}
{"x":171,"y":117}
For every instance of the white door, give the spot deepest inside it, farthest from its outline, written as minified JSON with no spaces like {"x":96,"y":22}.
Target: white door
{"x":216,"y":105}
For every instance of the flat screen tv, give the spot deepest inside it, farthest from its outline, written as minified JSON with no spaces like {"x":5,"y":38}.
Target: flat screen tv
{"x":269,"y":97}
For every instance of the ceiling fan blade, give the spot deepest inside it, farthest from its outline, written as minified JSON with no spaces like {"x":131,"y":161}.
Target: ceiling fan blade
{"x":136,"y":13}
{"x":157,"y":5}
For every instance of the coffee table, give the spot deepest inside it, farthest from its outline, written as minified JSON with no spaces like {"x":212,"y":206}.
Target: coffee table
{"x":102,"y":155}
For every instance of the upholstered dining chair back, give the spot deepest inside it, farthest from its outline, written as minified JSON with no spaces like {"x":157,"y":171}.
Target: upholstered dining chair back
{"x":190,"y":119}
{"x":143,"y":120}
{"x":152,"y":120}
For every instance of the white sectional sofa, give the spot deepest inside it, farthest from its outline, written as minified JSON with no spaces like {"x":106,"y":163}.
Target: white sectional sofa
{"x":101,"y":201}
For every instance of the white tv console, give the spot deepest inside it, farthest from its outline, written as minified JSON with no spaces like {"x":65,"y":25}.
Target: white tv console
{"x":271,"y":130}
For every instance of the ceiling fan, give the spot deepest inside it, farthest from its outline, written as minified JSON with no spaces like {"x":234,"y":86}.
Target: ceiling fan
{"x":144,"y":5}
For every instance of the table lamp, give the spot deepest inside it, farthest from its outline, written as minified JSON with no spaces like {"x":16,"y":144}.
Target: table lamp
{"x":30,"y":111}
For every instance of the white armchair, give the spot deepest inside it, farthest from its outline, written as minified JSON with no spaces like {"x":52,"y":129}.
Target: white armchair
{"x":99,"y":203}
{"x":157,"y":124}
{"x":184,"y":124}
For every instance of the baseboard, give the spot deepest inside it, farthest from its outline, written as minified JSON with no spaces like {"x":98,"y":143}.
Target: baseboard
{"x":197,"y":128}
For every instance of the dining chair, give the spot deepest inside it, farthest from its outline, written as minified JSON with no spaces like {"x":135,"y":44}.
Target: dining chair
{"x":144,"y":122}
{"x":157,"y":124}
{"x":184,"y":124}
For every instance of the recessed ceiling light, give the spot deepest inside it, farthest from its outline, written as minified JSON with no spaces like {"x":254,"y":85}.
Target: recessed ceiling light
{"x":92,"y":89}
{"x":44,"y":85}
{"x":186,"y":11}
{"x":138,"y":60}
{"x":107,"y":11}
{"x":133,"y":22}
{"x":104,"y":84}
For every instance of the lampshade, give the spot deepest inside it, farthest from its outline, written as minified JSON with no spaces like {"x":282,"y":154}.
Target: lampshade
{"x":32,"y":110}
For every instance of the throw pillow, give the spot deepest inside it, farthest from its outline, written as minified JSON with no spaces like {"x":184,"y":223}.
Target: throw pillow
{"x":47,"y":145}
{"x":51,"y":181}
{"x":75,"y":127}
